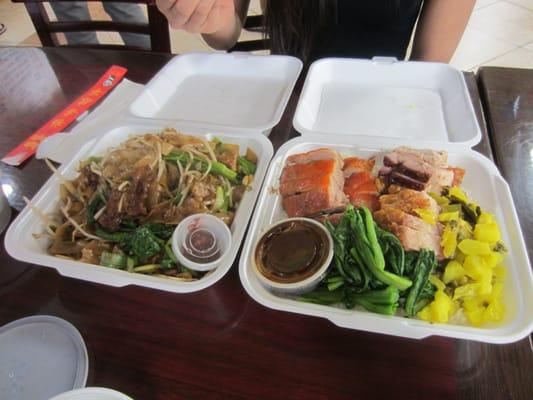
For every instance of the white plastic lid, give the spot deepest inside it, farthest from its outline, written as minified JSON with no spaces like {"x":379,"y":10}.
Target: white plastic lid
{"x":235,"y":91}
{"x":41,"y":356}
{"x":411,"y":102}
{"x":92,"y":393}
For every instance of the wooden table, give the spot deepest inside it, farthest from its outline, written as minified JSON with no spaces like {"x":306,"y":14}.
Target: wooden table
{"x":218,"y":343}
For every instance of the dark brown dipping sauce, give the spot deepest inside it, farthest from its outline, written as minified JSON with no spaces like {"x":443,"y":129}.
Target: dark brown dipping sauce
{"x":292,"y":251}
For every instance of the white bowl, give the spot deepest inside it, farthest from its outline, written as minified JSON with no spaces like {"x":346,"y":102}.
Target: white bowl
{"x":92,"y":393}
{"x":307,"y":284}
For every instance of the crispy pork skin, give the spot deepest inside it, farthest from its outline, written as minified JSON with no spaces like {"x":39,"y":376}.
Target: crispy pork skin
{"x":312,"y":183}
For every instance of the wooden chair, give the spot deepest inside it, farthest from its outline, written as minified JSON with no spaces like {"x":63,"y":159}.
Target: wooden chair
{"x":156,"y":28}
{"x":253,"y":23}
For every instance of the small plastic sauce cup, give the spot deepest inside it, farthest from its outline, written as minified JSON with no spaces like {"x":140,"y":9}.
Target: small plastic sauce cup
{"x":200,"y":242}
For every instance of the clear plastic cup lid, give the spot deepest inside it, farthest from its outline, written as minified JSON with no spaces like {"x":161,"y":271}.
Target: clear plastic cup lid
{"x":41,"y":357}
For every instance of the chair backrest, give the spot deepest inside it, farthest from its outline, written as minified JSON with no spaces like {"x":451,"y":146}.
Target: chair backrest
{"x":253,"y":23}
{"x":156,"y":27}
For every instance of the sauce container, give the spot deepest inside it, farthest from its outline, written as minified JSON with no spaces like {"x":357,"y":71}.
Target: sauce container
{"x":293,"y":255}
{"x":200,"y":242}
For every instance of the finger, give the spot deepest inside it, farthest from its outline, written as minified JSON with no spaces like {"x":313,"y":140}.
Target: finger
{"x":181,"y":12}
{"x":164,"y":5}
{"x":215,"y":18}
{"x":199,"y":16}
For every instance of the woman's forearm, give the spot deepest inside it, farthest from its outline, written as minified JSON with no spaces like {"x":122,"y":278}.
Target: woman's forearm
{"x":440,"y":28}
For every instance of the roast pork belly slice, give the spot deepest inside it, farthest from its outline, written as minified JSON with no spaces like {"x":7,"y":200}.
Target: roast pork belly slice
{"x":418,"y":169}
{"x":408,"y":200}
{"x":299,"y":178}
{"x":432,"y":157}
{"x":354,"y":164}
{"x":316,"y":155}
{"x":360,"y":187}
{"x":413,"y":232}
{"x":416,"y":240}
{"x":406,"y":181}
{"x":316,"y":201}
{"x":443,"y":177}
{"x":309,"y":170}
{"x":333,"y":218}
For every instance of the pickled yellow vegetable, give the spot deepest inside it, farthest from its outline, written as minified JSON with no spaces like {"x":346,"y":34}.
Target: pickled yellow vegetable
{"x":441,"y":200}
{"x":488,"y":232}
{"x":426,"y":215}
{"x":449,"y":216}
{"x":453,"y":272}
{"x":437,"y":282}
{"x":439,"y":310}
{"x":474,"y":267}
{"x":499,"y":273}
{"x":458,"y":193}
{"x":474,"y":247}
{"x":448,"y":242}
{"x":468,"y":290}
{"x":486,"y":218}
{"x":493,"y":259}
{"x":473,"y":278}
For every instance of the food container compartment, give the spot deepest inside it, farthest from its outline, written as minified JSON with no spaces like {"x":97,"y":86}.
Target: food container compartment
{"x":21,"y":245}
{"x":485,"y":185}
{"x":364,"y":107}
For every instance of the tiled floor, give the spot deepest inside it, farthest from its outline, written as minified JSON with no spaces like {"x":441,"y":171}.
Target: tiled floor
{"x":500,"y":32}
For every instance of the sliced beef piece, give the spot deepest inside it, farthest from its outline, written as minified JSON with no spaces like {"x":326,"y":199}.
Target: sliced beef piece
{"x":131,"y":203}
{"x":137,"y":192}
{"x":112,"y":216}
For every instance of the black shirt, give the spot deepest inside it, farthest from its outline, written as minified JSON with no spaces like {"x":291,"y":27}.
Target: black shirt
{"x":368,"y":28}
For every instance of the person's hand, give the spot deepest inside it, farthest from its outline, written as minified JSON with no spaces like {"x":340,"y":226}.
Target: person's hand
{"x":198,"y":16}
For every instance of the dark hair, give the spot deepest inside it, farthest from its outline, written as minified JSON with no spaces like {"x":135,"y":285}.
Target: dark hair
{"x":293,"y":26}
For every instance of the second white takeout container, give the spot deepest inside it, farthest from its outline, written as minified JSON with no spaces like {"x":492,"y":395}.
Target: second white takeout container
{"x":362,"y":108}
{"x":237,"y":98}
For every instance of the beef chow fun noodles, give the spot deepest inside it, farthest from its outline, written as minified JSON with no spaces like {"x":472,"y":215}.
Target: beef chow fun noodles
{"x":121,"y":210}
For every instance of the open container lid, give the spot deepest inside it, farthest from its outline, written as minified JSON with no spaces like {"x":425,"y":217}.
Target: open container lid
{"x":385,"y":100}
{"x":41,"y":356}
{"x":230,"y":92}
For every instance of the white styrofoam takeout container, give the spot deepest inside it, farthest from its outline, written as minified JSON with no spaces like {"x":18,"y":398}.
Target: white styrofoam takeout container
{"x":162,"y":98}
{"x":358,"y":108}
{"x":236,"y":92}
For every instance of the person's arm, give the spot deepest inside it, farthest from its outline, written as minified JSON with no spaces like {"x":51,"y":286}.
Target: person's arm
{"x":226,"y":37}
{"x":440,"y":28}
{"x":219,"y":21}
